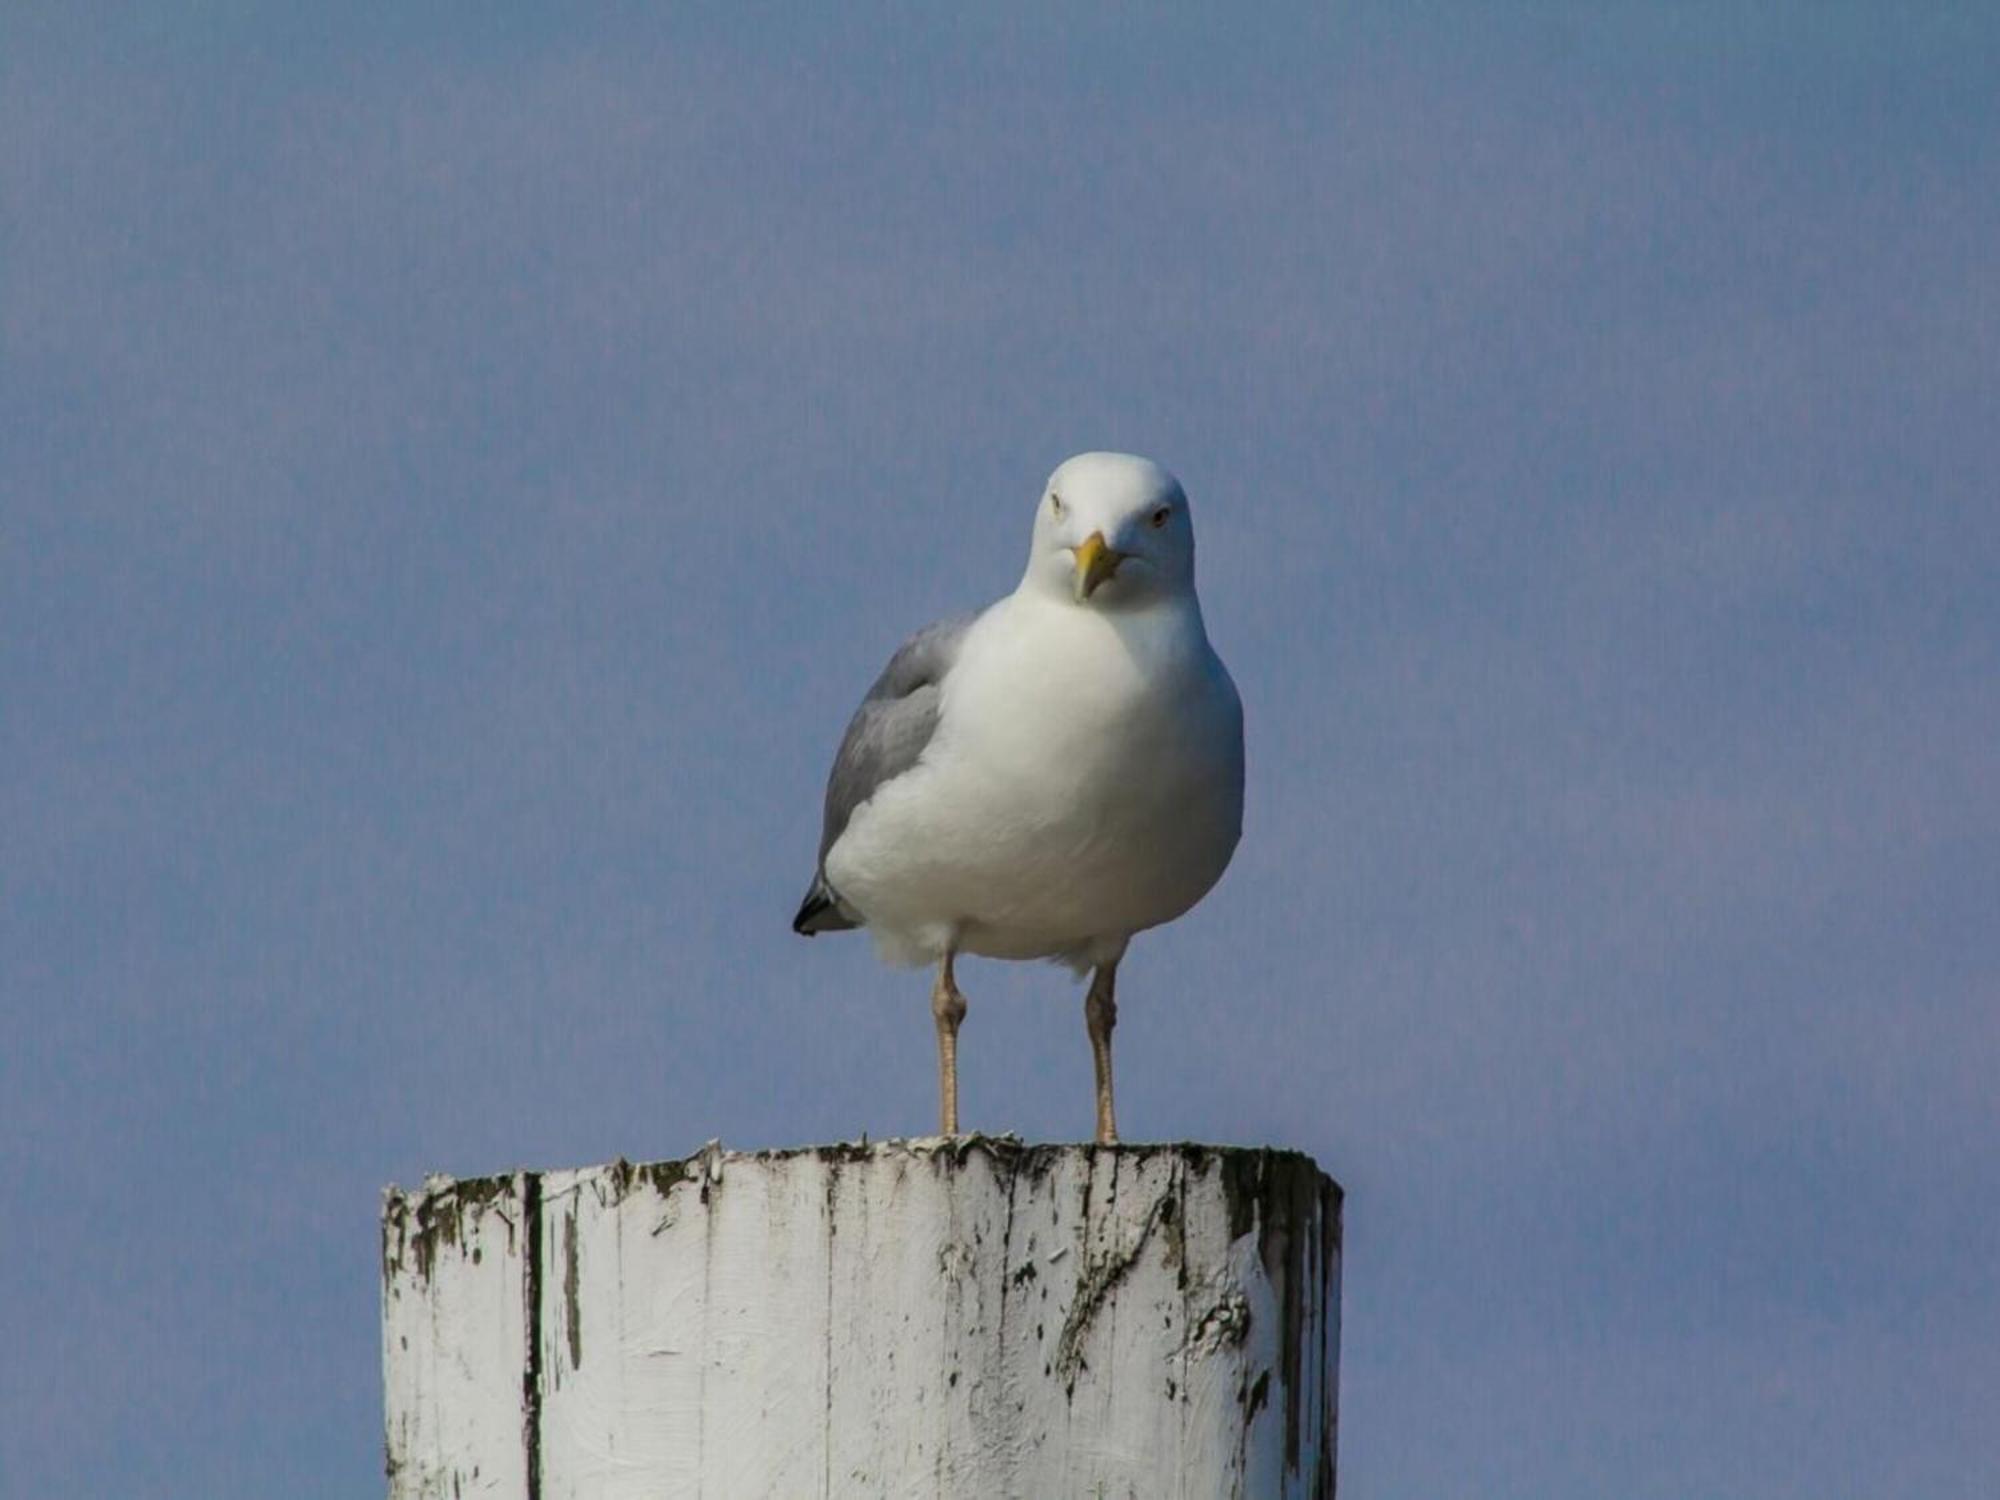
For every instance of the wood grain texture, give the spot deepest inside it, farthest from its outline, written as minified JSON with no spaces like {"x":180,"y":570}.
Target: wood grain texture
{"x":972,"y":1317}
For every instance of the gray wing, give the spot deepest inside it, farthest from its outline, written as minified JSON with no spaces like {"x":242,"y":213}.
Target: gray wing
{"x":884,"y":739}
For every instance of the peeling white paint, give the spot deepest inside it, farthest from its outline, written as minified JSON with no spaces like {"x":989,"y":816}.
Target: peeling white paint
{"x":963,"y":1318}
{"x":454,"y":1332}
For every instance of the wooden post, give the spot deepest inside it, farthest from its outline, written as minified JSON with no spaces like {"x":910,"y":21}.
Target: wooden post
{"x":970,"y":1317}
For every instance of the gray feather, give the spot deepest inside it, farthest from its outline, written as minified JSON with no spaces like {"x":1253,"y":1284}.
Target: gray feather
{"x":893,"y":724}
{"x":886,"y":736}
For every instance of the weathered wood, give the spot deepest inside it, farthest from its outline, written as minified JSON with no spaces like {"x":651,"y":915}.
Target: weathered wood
{"x":971,"y":1317}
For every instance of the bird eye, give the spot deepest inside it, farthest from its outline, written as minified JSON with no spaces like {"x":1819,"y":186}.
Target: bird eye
{"x":1160,"y":516}
{"x":1055,"y":504}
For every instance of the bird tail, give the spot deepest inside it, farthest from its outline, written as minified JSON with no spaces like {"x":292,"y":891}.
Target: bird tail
{"x":820,"y":911}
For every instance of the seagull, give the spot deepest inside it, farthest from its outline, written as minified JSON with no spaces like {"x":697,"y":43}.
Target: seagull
{"x":1049,"y":777}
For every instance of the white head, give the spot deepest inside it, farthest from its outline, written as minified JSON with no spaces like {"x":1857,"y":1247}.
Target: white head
{"x":1112,"y":532}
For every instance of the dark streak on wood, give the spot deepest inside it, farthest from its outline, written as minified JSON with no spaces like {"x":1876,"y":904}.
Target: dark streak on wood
{"x":1330,"y":1200}
{"x":572,"y":1313}
{"x":1099,"y":1280}
{"x":531,"y":1375}
{"x":832,"y":1210}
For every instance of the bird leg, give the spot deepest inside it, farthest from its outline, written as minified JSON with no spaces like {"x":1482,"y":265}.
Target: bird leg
{"x":1100,"y":1013}
{"x":947,"y":1009}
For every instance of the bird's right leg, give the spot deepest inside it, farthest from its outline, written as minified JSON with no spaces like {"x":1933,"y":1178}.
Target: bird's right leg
{"x":1100,"y":1014}
{"x":947,"y":1009}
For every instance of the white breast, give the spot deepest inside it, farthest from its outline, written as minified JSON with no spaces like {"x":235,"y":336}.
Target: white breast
{"x":1086,"y":782}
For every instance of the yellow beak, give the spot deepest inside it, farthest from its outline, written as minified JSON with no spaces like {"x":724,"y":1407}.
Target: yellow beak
{"x":1095,"y":562}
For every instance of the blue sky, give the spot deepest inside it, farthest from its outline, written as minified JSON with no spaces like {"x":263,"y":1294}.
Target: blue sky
{"x":457,"y":473}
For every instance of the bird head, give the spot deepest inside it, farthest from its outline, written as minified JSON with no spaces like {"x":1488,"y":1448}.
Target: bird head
{"x":1111,"y":532}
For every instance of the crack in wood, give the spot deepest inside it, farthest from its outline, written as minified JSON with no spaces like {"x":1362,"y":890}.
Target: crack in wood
{"x":531,"y":1375}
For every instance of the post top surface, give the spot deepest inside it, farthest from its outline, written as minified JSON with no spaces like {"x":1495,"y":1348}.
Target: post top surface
{"x":713,"y":1159}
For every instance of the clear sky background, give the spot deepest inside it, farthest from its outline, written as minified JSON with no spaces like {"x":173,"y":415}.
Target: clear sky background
{"x":459,"y":466}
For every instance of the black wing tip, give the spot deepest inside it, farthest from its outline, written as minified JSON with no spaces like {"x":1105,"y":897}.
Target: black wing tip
{"x":819,"y":912}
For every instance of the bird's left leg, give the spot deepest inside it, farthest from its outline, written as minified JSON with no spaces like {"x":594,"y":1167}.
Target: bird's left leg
{"x":1100,"y":1013}
{"x":947,"y":1009}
